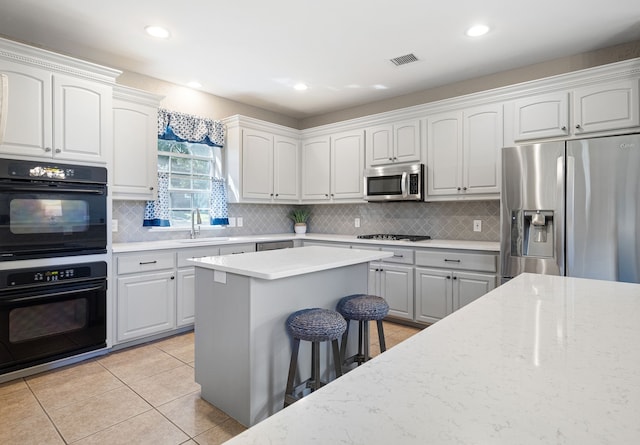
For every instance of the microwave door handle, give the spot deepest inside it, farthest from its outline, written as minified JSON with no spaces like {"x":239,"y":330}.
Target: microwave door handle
{"x":403,"y":184}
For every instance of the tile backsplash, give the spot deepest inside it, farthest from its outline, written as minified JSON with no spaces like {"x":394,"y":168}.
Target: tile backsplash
{"x":440,"y":220}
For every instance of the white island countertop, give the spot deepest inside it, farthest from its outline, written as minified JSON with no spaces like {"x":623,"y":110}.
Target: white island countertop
{"x":540,"y":360}
{"x":283,"y":263}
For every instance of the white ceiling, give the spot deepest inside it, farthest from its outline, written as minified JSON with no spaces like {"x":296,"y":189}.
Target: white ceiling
{"x":254,"y":51}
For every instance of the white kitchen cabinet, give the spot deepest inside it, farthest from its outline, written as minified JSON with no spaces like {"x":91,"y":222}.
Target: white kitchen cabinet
{"x":393,"y":143}
{"x":145,"y":294}
{"x":55,"y":115}
{"x":262,"y":161}
{"x":599,"y":107}
{"x":392,"y":279}
{"x":269,"y":167}
{"x":233,"y":249}
{"x":135,"y":144}
{"x":463,"y":153}
{"x":185,"y":297}
{"x":332,"y":167}
{"x":450,"y":280}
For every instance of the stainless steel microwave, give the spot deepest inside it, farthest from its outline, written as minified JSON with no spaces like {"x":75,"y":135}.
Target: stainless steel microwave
{"x":394,"y":183}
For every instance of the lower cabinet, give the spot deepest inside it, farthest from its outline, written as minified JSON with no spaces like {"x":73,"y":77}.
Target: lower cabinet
{"x":395,"y":284}
{"x":145,"y":295}
{"x":441,"y":292}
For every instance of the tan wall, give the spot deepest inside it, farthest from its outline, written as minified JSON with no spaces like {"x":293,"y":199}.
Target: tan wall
{"x":537,"y":71}
{"x":187,"y":100}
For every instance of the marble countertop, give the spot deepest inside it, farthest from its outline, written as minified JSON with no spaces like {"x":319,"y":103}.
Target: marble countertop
{"x":540,"y":360}
{"x":490,"y":246}
{"x":283,"y":263}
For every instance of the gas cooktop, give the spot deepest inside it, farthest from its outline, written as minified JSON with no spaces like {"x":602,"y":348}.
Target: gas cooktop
{"x":389,"y":237}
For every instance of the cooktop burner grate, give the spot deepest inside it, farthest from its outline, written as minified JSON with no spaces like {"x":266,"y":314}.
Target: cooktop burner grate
{"x":390,"y":237}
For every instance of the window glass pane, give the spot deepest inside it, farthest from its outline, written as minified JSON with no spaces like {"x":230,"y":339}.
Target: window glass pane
{"x":201,"y":167}
{"x":180,"y":147}
{"x":164,"y":145}
{"x":181,"y":165}
{"x":181,"y":217}
{"x":201,"y":184}
{"x":180,"y":200}
{"x":163,"y":163}
{"x":201,"y":150}
{"x":178,"y":182}
{"x":201,"y":200}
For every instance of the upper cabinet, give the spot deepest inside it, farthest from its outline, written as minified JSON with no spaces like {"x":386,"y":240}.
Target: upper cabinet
{"x":263,"y":162}
{"x":600,"y":107}
{"x":463,"y":153}
{"x":58,"y":107}
{"x":393,"y":143}
{"x":332,"y":167}
{"x":135,"y":144}
{"x":269,"y":166}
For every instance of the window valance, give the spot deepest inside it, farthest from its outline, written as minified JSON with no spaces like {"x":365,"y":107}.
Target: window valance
{"x":188,"y":128}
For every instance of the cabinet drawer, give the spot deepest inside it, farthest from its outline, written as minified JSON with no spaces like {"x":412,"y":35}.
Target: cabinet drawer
{"x":199,"y":252}
{"x":238,"y":248}
{"x":403,"y":256}
{"x":143,"y":262}
{"x":457,"y":260}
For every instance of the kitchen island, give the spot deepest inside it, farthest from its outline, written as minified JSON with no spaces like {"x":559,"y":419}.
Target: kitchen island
{"x":242,"y":349}
{"x":540,"y":360}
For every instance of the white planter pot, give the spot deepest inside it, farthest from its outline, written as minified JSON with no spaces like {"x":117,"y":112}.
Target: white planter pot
{"x":300,"y":228}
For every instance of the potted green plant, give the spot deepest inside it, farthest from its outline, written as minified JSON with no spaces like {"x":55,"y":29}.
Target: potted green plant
{"x":300,"y":215}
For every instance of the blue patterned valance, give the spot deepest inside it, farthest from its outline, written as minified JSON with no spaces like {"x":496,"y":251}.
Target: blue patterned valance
{"x":188,"y":128}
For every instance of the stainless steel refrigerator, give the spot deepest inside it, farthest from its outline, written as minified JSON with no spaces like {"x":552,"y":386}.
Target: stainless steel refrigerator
{"x":572,"y":208}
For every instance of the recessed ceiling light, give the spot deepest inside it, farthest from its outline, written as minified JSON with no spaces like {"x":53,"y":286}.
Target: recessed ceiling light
{"x":300,"y":86}
{"x":194,"y":84}
{"x":477,"y":30}
{"x":158,"y":32}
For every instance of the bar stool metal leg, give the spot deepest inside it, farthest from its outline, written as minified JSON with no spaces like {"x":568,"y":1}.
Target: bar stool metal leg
{"x":288,"y":398}
{"x":383,"y":345}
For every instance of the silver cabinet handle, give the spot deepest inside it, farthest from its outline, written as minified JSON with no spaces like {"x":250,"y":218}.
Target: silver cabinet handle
{"x":451,"y":261}
{"x":148,"y":262}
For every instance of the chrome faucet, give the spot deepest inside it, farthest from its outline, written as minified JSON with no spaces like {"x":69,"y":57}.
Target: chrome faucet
{"x":194,"y":234}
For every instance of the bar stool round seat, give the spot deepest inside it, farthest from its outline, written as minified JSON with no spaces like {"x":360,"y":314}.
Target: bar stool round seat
{"x":315,"y":325}
{"x":362,"y":308}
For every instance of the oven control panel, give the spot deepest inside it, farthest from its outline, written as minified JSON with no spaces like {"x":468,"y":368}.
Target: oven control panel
{"x":46,"y":275}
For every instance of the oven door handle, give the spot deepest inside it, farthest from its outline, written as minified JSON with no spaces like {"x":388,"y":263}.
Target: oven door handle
{"x":52,"y":294}
{"x":55,"y":188}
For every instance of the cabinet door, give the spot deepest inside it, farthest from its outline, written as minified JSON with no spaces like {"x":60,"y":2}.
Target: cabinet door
{"x":396,"y":287}
{"x":28,"y":129}
{"x":145,"y":304}
{"x":406,"y":137}
{"x":541,"y":116}
{"x":285,"y":170}
{"x":468,"y":286}
{"x":482,"y":142}
{"x":379,"y":143}
{"x":257,"y":165}
{"x":608,"y":106}
{"x":444,"y":154}
{"x":185,"y":299}
{"x":433,"y":294}
{"x":81,"y":119}
{"x":316,"y":169}
{"x":135,"y":152}
{"x":347,"y":165}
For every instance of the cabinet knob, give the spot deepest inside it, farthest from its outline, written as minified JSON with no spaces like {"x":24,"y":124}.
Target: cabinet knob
{"x":326,"y":195}
{"x":564,"y":128}
{"x":458,"y":188}
{"x":47,"y":149}
{"x":448,"y":277}
{"x":277,"y":194}
{"x":271,"y":194}
{"x":455,"y":278}
{"x":391,"y":159}
{"x":58,"y":150}
{"x":173,"y":278}
{"x":464,"y":188}
{"x":150,"y":188}
{"x":578,"y":127}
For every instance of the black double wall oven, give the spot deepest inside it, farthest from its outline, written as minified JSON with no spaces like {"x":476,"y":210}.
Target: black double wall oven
{"x":53,"y":270}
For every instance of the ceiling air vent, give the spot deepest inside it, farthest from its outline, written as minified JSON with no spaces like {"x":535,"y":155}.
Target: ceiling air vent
{"x":403,"y":60}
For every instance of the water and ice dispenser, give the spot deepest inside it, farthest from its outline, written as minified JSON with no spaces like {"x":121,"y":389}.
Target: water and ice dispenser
{"x":532,"y":233}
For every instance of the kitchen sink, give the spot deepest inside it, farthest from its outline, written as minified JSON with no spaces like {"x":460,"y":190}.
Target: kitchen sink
{"x":213,"y":239}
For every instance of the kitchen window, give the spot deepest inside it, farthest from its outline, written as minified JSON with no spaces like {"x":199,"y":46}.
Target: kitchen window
{"x":191,"y":167}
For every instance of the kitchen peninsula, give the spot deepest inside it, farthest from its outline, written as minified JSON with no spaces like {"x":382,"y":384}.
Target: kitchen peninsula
{"x":539,"y":360}
{"x":242,"y":301}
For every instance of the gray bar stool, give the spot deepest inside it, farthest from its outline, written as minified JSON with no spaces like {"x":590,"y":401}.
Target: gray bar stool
{"x":315,"y":325}
{"x":363,"y":308}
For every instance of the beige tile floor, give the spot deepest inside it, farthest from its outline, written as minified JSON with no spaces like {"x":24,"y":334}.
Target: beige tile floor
{"x":141,"y":395}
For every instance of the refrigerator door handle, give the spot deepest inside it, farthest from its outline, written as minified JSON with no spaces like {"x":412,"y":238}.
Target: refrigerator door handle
{"x":569,"y":219}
